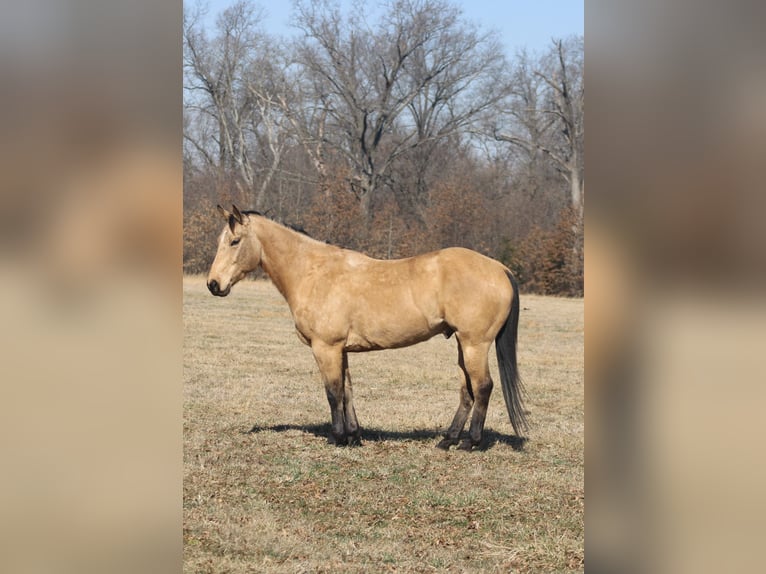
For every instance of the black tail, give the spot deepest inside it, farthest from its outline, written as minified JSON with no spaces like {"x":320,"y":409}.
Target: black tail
{"x":505,"y":345}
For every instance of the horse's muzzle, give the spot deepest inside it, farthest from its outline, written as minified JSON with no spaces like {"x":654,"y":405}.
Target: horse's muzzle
{"x":215,"y":289}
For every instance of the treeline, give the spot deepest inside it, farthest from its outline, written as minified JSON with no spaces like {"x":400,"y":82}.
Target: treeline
{"x":393,"y":129}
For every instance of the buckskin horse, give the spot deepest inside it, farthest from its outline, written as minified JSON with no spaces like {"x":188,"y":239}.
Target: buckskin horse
{"x":345,"y":302}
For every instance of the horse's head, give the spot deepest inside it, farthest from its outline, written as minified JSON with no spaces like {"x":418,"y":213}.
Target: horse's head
{"x":239,"y":252}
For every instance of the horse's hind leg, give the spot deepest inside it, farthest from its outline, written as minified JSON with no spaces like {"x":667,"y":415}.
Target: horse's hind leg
{"x":330,"y":362}
{"x":452,"y":436}
{"x":477,"y":367}
{"x":351,"y":424}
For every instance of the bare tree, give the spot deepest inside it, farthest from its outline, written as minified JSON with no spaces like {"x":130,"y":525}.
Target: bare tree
{"x":417,"y":76}
{"x":267,"y":84}
{"x":463,"y":74}
{"x":235,"y":83}
{"x":214,"y":72}
{"x":546,"y":113}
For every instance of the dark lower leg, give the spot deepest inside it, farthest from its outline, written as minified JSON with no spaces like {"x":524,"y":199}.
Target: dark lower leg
{"x":352,"y":428}
{"x":337,"y":417}
{"x":452,"y":435}
{"x":351,"y":423}
{"x":476,"y":429}
{"x":330,"y":362}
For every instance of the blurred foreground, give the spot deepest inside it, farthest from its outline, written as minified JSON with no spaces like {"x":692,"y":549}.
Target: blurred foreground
{"x":90,"y":252}
{"x":675,"y":269}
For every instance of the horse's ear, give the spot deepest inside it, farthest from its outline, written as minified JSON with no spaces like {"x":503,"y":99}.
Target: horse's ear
{"x":240,"y":217}
{"x":237,"y":214}
{"x":223,"y":212}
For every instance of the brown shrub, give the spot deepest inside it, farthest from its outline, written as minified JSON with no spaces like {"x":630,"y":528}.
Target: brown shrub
{"x":201,"y":229}
{"x":457,"y":215}
{"x":334,"y":216}
{"x":550,"y":262}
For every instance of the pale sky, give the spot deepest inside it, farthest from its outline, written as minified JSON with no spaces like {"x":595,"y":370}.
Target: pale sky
{"x":520,"y":23}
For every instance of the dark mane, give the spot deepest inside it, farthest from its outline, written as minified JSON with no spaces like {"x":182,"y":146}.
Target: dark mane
{"x":296,"y":228}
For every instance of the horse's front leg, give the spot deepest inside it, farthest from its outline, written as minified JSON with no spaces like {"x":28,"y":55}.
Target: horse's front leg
{"x":351,"y":424}
{"x":329,"y":358}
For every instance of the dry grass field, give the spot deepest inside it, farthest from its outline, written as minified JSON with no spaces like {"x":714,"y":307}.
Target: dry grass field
{"x":264,"y":492}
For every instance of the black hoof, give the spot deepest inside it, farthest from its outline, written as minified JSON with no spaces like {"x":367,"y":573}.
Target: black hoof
{"x":355,"y":440}
{"x":467,"y":445}
{"x":445,"y":443}
{"x":337,"y":440}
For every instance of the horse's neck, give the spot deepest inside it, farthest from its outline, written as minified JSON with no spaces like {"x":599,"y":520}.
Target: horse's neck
{"x":283,"y":257}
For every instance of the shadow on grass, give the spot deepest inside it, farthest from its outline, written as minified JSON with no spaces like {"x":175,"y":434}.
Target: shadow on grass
{"x":491,"y":438}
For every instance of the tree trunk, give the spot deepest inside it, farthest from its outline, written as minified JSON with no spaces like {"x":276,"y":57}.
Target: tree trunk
{"x":576,"y":192}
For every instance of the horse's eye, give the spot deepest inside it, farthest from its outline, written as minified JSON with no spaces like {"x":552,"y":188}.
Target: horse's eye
{"x":235,"y":241}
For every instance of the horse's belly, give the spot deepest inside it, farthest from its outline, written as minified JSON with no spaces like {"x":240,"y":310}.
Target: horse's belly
{"x":391,"y":337}
{"x":356,"y":344}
